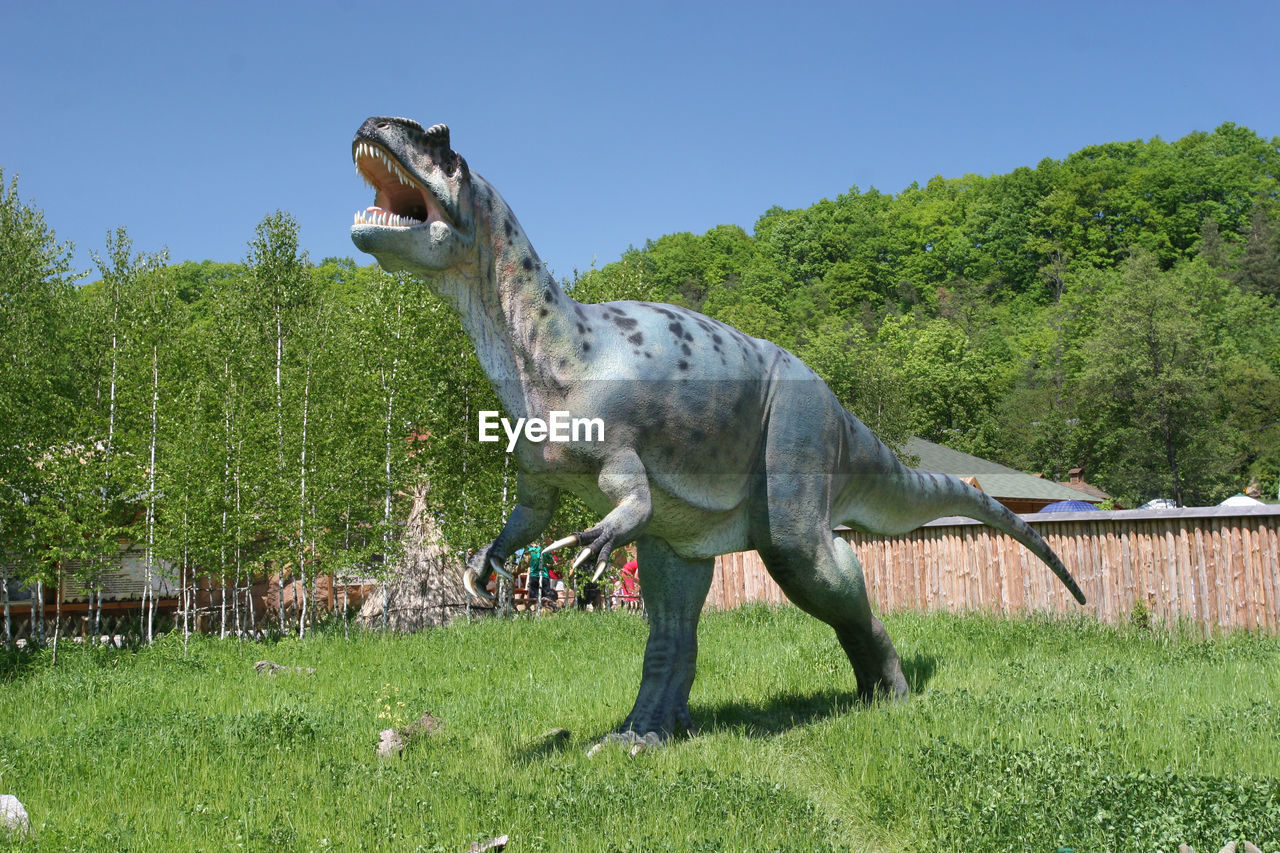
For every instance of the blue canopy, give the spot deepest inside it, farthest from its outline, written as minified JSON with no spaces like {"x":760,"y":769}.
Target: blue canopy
{"x":1069,"y":506}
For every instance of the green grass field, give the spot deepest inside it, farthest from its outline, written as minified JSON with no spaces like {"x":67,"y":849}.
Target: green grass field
{"x":1020,"y":735}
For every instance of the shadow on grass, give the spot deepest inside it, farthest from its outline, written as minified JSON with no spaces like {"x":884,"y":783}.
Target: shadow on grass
{"x":775,"y":716}
{"x":791,"y":710}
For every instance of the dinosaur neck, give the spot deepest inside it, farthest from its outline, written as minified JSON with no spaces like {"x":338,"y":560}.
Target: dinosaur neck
{"x":521,"y":323}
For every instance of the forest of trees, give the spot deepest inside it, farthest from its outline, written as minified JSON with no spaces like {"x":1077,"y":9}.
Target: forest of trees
{"x":1118,"y":309}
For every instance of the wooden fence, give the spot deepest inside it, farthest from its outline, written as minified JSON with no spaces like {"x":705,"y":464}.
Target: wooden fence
{"x":1216,"y":567}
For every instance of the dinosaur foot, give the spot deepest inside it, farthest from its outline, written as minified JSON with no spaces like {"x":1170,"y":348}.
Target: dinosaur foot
{"x":474,"y":580}
{"x":649,"y":728}
{"x":634,"y":742}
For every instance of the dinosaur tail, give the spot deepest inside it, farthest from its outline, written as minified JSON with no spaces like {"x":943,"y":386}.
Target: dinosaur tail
{"x":922,"y":496}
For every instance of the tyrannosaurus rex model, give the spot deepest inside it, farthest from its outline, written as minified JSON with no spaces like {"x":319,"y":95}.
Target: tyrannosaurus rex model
{"x":713,"y":441}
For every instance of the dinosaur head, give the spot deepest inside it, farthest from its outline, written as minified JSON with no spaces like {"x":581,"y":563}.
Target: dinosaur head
{"x":422,"y":219}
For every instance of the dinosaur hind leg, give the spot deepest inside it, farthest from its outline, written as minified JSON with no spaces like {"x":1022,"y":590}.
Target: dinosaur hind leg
{"x":674,"y":591}
{"x":825,"y":580}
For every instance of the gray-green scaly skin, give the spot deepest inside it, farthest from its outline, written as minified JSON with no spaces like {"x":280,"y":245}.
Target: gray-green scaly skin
{"x":714,"y":441}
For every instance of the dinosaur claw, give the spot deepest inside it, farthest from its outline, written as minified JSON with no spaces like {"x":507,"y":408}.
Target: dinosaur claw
{"x":496,"y":565}
{"x":469,"y":581}
{"x":581,"y":558}
{"x":571,"y":539}
{"x":600,"y":567}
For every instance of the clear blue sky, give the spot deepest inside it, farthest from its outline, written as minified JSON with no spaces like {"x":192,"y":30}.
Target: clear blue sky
{"x":602,"y":124}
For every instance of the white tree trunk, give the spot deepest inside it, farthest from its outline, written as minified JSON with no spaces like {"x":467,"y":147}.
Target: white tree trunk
{"x":302,"y":511}
{"x":8,"y":623}
{"x":151,"y":487}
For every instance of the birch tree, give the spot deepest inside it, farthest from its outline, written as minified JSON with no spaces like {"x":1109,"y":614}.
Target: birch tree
{"x":281,"y":288}
{"x":36,"y":394}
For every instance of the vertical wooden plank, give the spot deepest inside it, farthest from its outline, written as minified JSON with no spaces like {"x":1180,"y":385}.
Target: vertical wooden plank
{"x":1252,"y":556}
{"x":1000,"y":571}
{"x":1187,"y":604}
{"x":1240,"y":572}
{"x":1128,"y":545}
{"x":1028,"y":592}
{"x":1109,"y":566}
{"x":1226,"y":594}
{"x":1157,"y":579}
{"x":957,"y":570}
{"x":915,"y":572}
{"x":944,"y":569}
{"x":1271,"y":565}
{"x":1084,"y":537}
{"x":1092,"y":542}
{"x":1208,"y":609}
{"x":1267,"y":559}
{"x":938,"y":544}
{"x":1237,"y":574}
{"x":1252,"y":576}
{"x":1168,"y":569}
{"x":1212,"y":575}
{"x":1148,"y":590}
{"x":1010,"y":564}
{"x":1261,"y":578}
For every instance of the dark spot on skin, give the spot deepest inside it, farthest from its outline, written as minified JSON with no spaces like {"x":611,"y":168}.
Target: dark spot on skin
{"x":542,"y":312}
{"x":648,"y":355}
{"x":669,"y":315}
{"x":506,"y":226}
{"x":564,"y":362}
{"x":589,"y":330}
{"x":717,"y":349}
{"x":682,"y":364}
{"x":578,"y":310}
{"x":676,"y":329}
{"x":637,"y":338}
{"x":548,"y":296}
{"x":586,"y":347}
{"x":582,"y":330}
{"x":716,"y":338}
{"x":624,"y":322}
{"x":684,"y":348}
{"x":759,"y":358}
{"x":706,"y":327}
{"x":688,"y":337}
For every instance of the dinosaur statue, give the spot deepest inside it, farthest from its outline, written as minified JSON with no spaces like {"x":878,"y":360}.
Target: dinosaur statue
{"x":714,"y":441}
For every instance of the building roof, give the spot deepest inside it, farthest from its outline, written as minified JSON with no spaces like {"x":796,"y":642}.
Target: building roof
{"x":999,"y":481}
{"x":1076,"y":481}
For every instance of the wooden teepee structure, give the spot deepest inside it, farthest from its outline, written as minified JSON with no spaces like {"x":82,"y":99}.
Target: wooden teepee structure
{"x":425,"y":590}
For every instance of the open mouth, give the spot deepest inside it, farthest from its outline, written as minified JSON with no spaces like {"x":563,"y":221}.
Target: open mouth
{"x":399,"y":200}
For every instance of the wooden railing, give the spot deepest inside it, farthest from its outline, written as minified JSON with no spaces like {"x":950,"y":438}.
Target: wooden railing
{"x":1215,"y":567}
